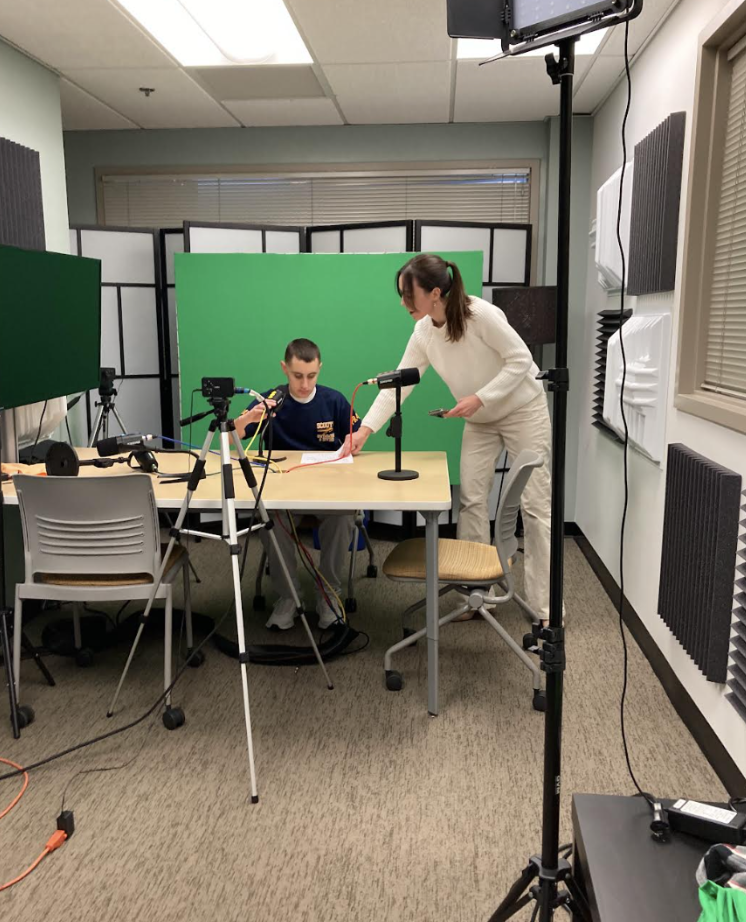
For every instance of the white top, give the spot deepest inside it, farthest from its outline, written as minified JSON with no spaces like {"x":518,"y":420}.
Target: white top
{"x":490,"y":360}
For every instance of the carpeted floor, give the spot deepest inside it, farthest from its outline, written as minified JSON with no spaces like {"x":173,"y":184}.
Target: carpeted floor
{"x":369,"y":809}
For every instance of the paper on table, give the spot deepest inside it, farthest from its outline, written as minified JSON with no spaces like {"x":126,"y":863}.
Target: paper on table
{"x":314,"y":457}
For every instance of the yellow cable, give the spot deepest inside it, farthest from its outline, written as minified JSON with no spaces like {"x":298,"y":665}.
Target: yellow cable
{"x":328,"y":586}
{"x":256,"y":431}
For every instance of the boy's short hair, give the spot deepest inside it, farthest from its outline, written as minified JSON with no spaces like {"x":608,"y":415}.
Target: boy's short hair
{"x":303,"y":349}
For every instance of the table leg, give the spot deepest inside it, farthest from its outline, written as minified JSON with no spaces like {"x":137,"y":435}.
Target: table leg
{"x":432,"y":620}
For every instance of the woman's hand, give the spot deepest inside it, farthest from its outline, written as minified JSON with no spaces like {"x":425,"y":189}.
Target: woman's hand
{"x":359,"y":439}
{"x":466,"y":407}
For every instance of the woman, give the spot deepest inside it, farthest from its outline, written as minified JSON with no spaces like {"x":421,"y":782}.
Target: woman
{"x":492,"y":377}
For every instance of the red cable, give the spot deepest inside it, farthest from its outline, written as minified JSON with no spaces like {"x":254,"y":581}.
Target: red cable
{"x":18,"y":796}
{"x":301,"y":547}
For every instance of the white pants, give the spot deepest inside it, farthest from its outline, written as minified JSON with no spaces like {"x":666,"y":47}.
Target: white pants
{"x":527,"y":427}
{"x":335,"y":534}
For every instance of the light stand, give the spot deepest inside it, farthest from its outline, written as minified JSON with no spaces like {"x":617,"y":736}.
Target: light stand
{"x":549,"y":868}
{"x":174,"y":717}
{"x":395,"y":431}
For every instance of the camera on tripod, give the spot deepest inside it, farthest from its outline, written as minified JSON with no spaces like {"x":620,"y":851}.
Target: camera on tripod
{"x":218,"y":388}
{"x":106,"y":382}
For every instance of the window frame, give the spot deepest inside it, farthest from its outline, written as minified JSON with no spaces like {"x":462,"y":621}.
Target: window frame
{"x":711,"y":97}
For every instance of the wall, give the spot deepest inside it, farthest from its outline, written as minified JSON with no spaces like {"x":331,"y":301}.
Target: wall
{"x":663,"y":81}
{"x":30,"y":115}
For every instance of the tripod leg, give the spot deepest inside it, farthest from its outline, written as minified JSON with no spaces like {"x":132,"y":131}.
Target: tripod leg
{"x":516,"y":897}
{"x":118,"y":418}
{"x":34,"y":654}
{"x":229,"y":516}
{"x":96,"y":428}
{"x":8,"y":661}
{"x":264,"y":517}
{"x":191,"y":487}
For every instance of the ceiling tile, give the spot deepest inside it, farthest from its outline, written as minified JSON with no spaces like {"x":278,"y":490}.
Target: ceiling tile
{"x":81,"y":112}
{"x":176,"y":103}
{"x":601,"y":77}
{"x":385,"y":31}
{"x":512,"y":90}
{"x":392,"y":93}
{"x":78,"y":33}
{"x":264,"y":112}
{"x":290,"y":81}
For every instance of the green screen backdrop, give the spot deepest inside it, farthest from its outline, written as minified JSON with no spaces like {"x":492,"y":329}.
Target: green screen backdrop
{"x":50,"y":325}
{"x":237,"y":312}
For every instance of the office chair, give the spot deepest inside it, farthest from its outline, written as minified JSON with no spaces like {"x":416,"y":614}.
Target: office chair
{"x":471,"y":569}
{"x":360,"y":533}
{"x":96,"y":539}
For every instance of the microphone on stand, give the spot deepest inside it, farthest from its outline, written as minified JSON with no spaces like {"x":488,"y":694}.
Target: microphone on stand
{"x":402,"y":377}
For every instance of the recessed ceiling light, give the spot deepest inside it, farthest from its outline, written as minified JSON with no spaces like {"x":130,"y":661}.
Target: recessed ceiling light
{"x":203,"y":33}
{"x":482,"y":49}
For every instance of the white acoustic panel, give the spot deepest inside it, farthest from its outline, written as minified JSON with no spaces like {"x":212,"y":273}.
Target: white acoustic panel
{"x":173,"y":243}
{"x":375,"y":240}
{"x":127,"y":257}
{"x":509,"y":248}
{"x":110,"y":351}
{"x":224,"y":240}
{"x":607,"y":256}
{"x":74,"y":243}
{"x":140,"y":331}
{"x":326,"y":241}
{"x":647,"y":346}
{"x":282,"y":241}
{"x":436,"y":239}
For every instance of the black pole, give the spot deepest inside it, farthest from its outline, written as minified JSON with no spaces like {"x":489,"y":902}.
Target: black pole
{"x":550,"y":869}
{"x":555,"y":679}
{"x":397,"y":440}
{"x":395,"y":431}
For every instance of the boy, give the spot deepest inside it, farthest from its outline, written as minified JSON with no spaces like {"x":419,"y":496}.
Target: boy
{"x":310,"y":418}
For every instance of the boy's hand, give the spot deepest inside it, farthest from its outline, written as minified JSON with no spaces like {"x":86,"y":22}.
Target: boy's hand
{"x":359,"y":439}
{"x":252,"y":416}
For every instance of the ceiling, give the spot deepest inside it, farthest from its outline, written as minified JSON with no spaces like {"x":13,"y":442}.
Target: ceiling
{"x":383,"y":62}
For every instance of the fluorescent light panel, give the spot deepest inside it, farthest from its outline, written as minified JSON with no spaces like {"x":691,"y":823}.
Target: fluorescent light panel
{"x":204,"y":33}
{"x":481,"y":49}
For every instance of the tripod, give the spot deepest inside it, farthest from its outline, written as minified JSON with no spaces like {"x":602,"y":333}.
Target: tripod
{"x":549,"y":868}
{"x":229,"y":536}
{"x":101,"y":423}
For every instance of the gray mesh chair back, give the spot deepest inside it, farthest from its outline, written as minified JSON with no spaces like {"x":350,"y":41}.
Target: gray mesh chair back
{"x":510,"y":502}
{"x":89,"y":525}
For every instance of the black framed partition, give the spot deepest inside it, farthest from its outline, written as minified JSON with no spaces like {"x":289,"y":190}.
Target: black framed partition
{"x":506,"y":248}
{"x":134,"y":323}
{"x":383,"y":236}
{"x":217,"y":237}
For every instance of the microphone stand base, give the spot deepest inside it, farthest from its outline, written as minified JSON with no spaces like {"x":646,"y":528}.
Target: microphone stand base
{"x":398,"y":475}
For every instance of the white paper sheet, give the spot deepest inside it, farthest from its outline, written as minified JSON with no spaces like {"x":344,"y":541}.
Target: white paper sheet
{"x":314,"y":457}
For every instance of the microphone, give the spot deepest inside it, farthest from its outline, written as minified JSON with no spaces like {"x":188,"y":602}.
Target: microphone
{"x":119,"y":443}
{"x":402,"y":377}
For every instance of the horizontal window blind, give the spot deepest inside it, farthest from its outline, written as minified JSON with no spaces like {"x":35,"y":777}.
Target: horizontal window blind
{"x":162,"y":201}
{"x":725,"y":368}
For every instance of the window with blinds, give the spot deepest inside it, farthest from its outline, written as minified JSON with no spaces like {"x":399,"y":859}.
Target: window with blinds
{"x":500,"y":196}
{"x":725,"y":364}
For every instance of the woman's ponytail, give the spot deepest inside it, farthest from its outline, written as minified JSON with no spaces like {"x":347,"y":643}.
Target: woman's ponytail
{"x":457,"y":305}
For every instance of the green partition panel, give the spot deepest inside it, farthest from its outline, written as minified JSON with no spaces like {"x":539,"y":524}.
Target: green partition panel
{"x":237,"y":312}
{"x":50,"y":325}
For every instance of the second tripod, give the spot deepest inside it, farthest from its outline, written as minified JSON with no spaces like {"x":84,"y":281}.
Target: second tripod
{"x":107,"y":392}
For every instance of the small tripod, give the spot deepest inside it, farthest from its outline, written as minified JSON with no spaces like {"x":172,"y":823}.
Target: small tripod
{"x":107,"y":392}
{"x":229,"y":536}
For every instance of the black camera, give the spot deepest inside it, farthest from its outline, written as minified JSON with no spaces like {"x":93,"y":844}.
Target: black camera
{"x":218,"y":388}
{"x":106,"y":382}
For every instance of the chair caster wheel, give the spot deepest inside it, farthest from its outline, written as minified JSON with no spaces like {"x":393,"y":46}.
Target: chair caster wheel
{"x":260,"y":603}
{"x":407,"y":632}
{"x":84,"y":657}
{"x":540,"y":700}
{"x":173,"y":718}
{"x":350,"y":606}
{"x":372,"y":571}
{"x":195,"y":659}
{"x":25,"y":715}
{"x":394,"y":680}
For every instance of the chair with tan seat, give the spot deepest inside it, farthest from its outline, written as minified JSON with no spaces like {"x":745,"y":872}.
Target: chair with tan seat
{"x":96,"y":539}
{"x":472,"y":569}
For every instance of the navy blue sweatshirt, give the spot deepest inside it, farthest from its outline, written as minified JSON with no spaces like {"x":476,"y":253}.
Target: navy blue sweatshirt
{"x":320,"y":425}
